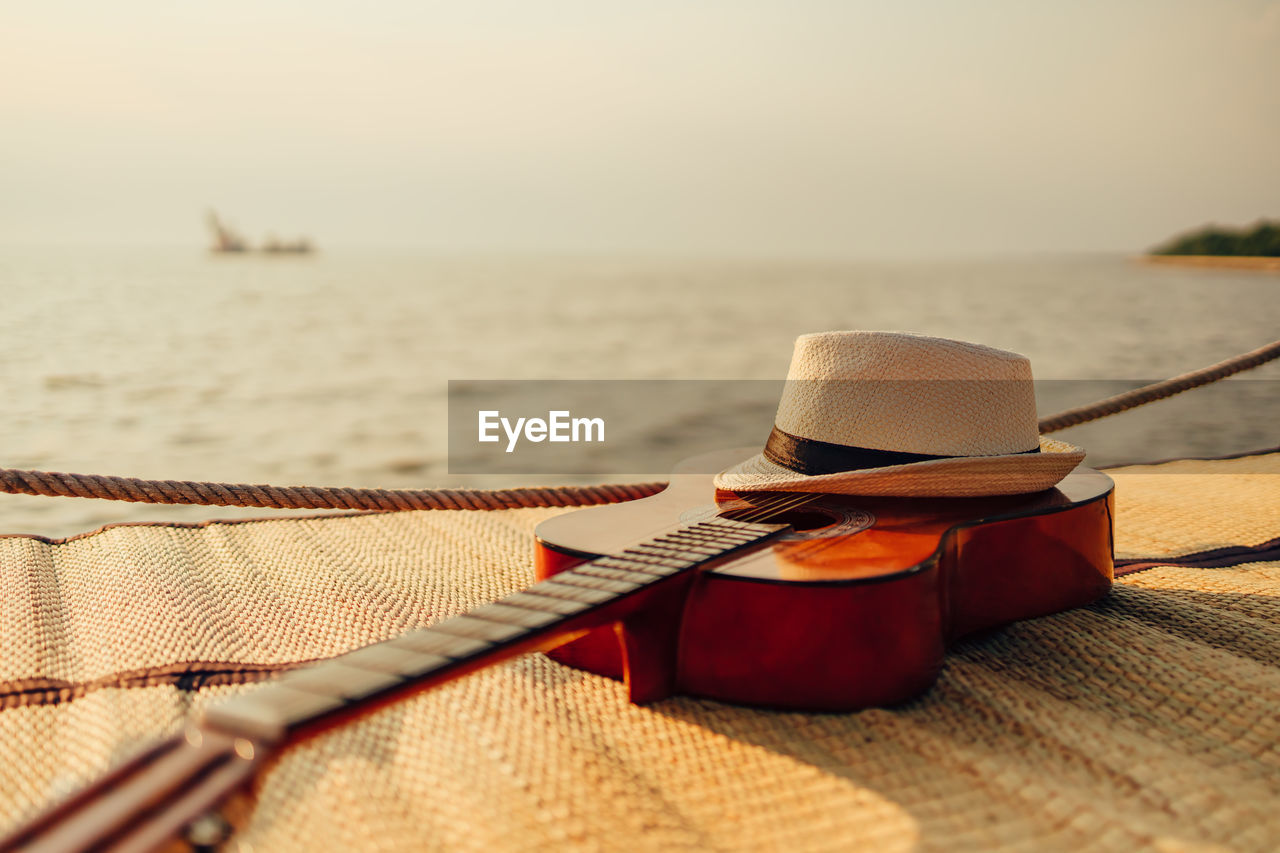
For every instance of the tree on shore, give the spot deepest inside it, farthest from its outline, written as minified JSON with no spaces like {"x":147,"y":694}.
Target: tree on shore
{"x":1262,"y":240}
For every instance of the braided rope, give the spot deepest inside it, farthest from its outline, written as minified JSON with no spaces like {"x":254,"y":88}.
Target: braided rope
{"x":1160,"y":390}
{"x":56,"y":484}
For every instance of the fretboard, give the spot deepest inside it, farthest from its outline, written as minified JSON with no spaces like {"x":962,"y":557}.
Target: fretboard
{"x":542,"y":616}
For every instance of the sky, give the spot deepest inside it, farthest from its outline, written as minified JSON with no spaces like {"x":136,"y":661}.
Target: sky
{"x":776,"y":127}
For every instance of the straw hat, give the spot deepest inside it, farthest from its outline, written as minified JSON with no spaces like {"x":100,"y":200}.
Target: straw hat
{"x":893,"y":413}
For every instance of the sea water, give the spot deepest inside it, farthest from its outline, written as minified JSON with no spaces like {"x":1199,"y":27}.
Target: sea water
{"x":332,"y":369}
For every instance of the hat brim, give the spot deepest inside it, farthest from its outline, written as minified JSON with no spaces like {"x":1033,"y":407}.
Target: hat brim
{"x":958,"y":477}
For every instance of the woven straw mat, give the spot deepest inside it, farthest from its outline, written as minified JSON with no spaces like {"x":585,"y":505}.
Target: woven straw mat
{"x":1148,"y":720}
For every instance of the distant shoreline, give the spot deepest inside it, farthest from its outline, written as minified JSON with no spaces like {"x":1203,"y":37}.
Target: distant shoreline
{"x":1242,"y":262}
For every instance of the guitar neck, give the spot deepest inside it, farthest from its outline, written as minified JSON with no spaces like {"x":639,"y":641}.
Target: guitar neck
{"x":542,"y":616}
{"x":191,"y":775}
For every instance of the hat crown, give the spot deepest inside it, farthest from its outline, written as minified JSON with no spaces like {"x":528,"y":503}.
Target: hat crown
{"x":906,"y":392}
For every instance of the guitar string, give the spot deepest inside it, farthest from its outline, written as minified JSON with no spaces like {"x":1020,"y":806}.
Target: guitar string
{"x":802,"y":550}
{"x":760,"y":513}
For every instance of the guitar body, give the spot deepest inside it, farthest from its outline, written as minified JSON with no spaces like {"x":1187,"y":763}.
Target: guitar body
{"x":855,"y":608}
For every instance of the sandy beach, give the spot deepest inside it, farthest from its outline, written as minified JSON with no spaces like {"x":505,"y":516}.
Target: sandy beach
{"x":1239,"y":262}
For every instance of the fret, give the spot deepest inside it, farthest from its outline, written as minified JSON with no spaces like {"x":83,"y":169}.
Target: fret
{"x":595,"y":570}
{"x":533,"y":601}
{"x":502,"y":612}
{"x":635,"y":559}
{"x":706,"y":535}
{"x":431,"y":641}
{"x":654,"y":566}
{"x":688,"y":546}
{"x":676,"y":554}
{"x":711,"y":535}
{"x":733,"y":523}
{"x":591,"y":580}
{"x":685,"y":547}
{"x":624,"y":561}
{"x":385,"y":657}
{"x":487,"y":632}
{"x":479,"y":629}
{"x":571,"y":592}
{"x":655,"y":563}
{"x":666,"y":541}
{"x":728,"y":529}
{"x":731,"y":527}
{"x":335,"y":678}
{"x":713,"y":540}
{"x":271,"y":713}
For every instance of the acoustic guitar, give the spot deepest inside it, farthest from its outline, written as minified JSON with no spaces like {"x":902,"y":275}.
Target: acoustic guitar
{"x":795,"y":600}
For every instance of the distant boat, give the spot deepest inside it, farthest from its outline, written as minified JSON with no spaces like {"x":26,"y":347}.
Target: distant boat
{"x":275,"y":247}
{"x":226,"y":240}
